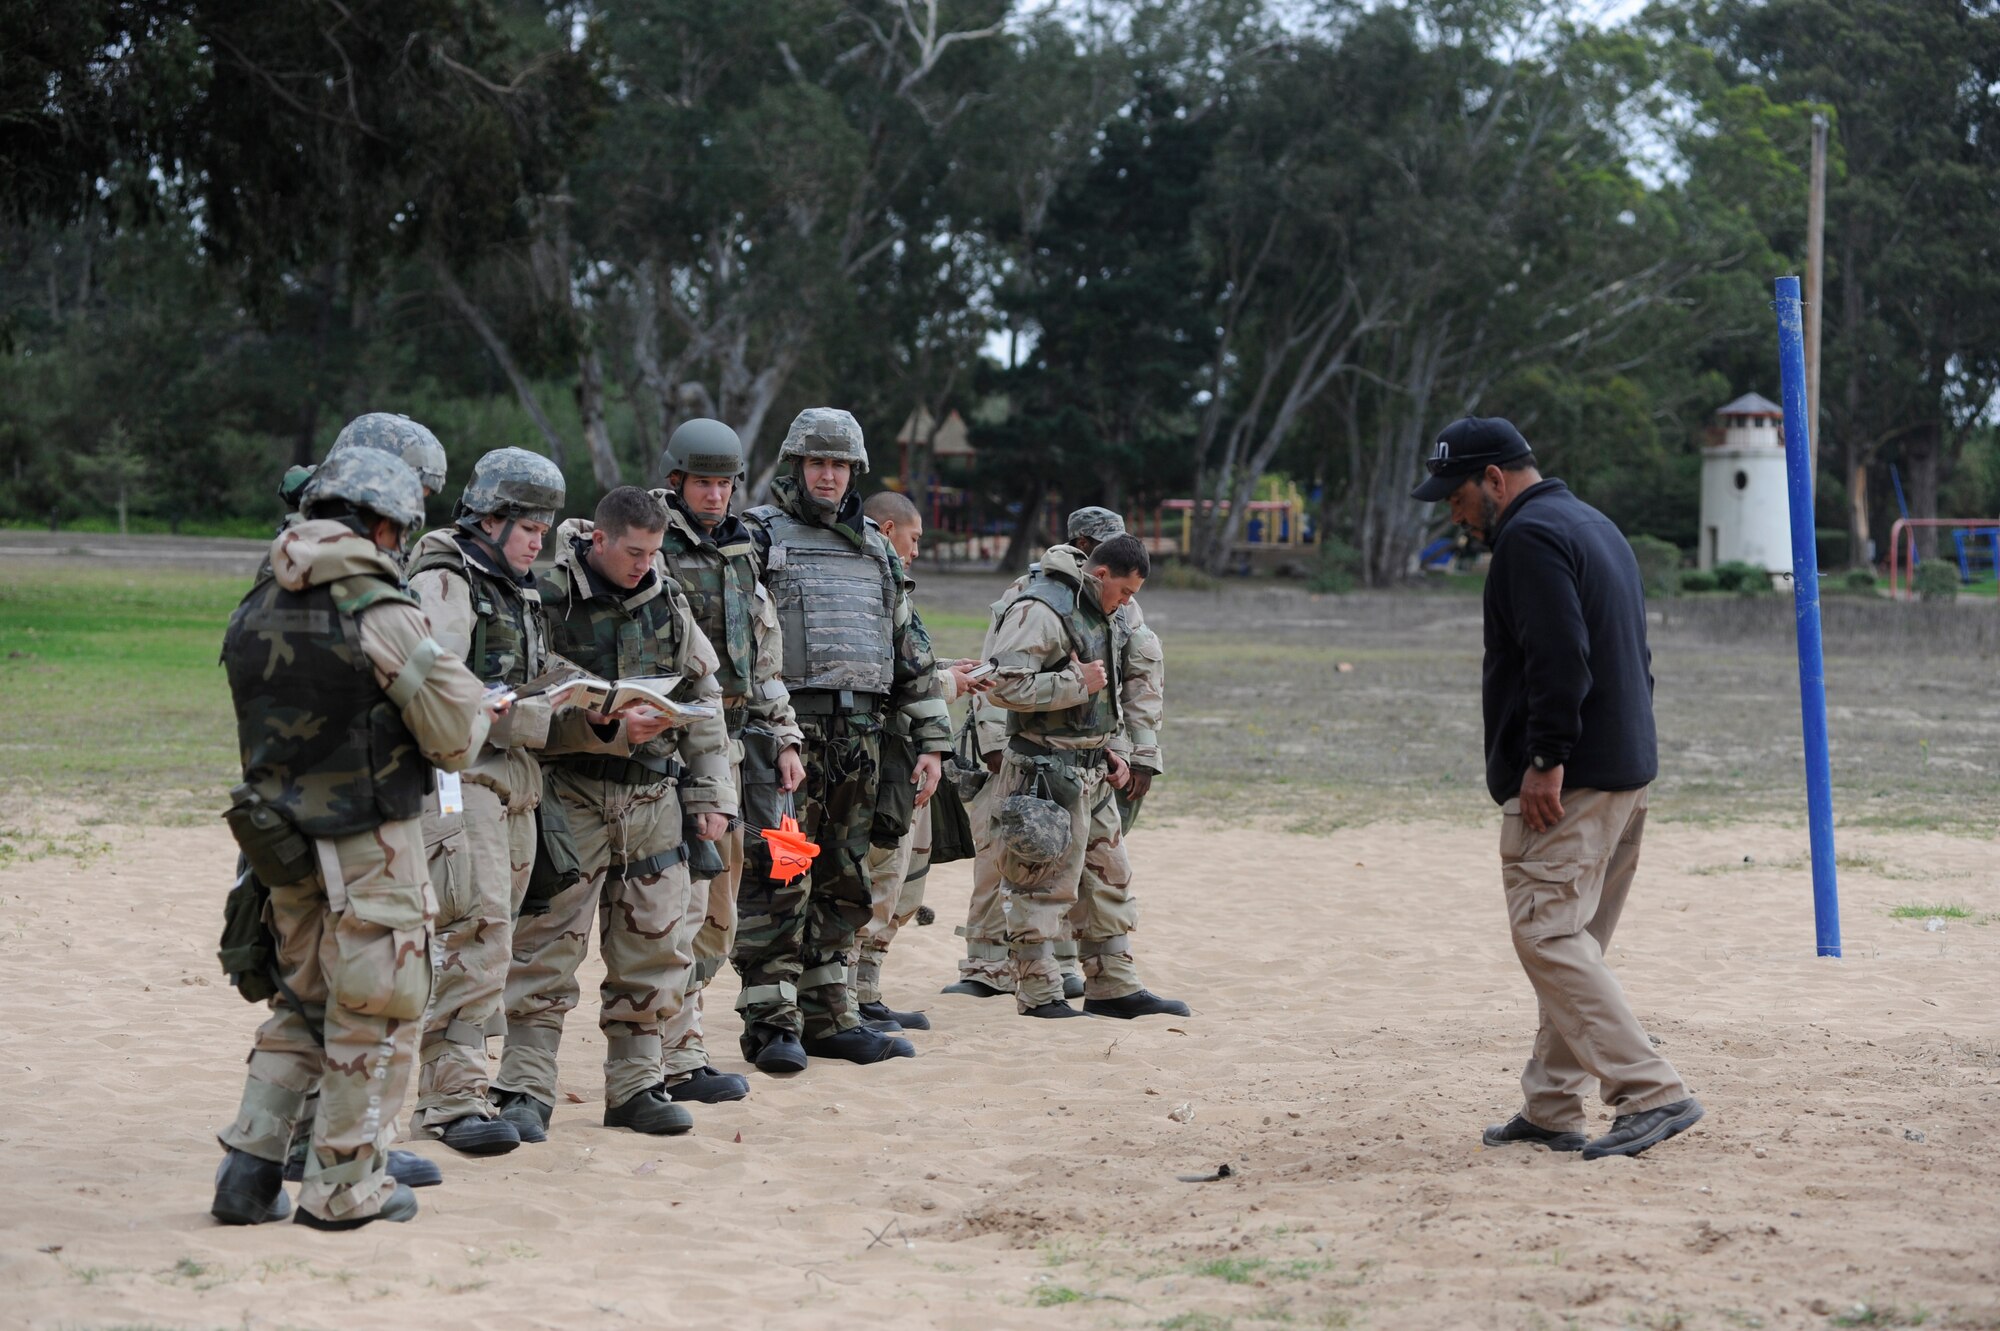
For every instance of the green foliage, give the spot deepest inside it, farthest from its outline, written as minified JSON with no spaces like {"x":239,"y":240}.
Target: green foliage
{"x":1181,"y":576}
{"x":1699,"y":580}
{"x":1054,"y":1296}
{"x":1736,"y":576}
{"x":1861,"y":580}
{"x":1937,"y":580}
{"x":1339,"y":567}
{"x":1831,"y":545}
{"x":1659,"y":564}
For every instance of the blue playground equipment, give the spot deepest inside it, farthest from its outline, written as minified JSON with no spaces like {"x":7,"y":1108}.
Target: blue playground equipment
{"x":1965,"y":543}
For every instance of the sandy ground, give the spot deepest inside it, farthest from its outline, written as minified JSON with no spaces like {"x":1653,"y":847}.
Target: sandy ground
{"x":1359,"y":1017}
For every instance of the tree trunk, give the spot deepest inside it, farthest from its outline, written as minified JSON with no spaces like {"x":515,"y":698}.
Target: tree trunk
{"x":1855,"y":445}
{"x":1022,"y":543}
{"x":1921,"y":480}
{"x":590,"y":406}
{"x":496,"y":346}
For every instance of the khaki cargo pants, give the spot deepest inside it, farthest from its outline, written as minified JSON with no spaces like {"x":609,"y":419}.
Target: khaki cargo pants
{"x":641,"y":914}
{"x":359,"y":958}
{"x":1565,"y":889}
{"x":898,"y":876}
{"x":711,"y":931}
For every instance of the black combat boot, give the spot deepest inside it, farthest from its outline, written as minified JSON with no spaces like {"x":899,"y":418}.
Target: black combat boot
{"x":708,"y":1086}
{"x":401,"y":1206}
{"x":650,"y":1112}
{"x":909,"y":1021}
{"x":1072,"y":985}
{"x":774,"y":1050}
{"x":1632,"y":1133}
{"x":406,"y":1167}
{"x":1141,"y":1004}
{"x":1054,"y":1008}
{"x":249,"y":1190}
{"x":529,"y":1116}
{"x":1518,"y":1129}
{"x":473,"y":1135}
{"x":974,"y":989}
{"x":859,"y":1045}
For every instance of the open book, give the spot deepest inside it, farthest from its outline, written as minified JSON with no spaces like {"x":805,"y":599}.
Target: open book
{"x":570,"y":686}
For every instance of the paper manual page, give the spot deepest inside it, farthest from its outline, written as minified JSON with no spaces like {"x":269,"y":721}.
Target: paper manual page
{"x":451,"y":794}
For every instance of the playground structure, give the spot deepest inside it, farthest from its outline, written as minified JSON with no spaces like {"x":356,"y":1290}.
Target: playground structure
{"x":1967,"y":535}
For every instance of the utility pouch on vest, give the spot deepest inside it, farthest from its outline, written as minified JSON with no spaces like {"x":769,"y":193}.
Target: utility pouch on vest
{"x":1061,"y":779}
{"x":557,"y":865}
{"x":760,"y":781}
{"x":247,"y":951}
{"x":704,"y":858}
{"x":895,"y":788}
{"x":278,"y":852}
{"x":966,"y":773}
{"x":951,"y":828}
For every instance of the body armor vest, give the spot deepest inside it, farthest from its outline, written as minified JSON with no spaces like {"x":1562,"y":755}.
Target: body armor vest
{"x":507,"y":645}
{"x":721,"y":586}
{"x":617,"y":634}
{"x":836,"y":606}
{"x":1091,"y":638}
{"x":320,"y":739}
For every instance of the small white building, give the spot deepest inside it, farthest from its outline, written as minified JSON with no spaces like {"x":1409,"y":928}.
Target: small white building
{"x":1745,"y":510}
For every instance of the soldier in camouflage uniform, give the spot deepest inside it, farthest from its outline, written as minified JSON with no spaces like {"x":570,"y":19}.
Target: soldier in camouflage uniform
{"x":899,"y":868}
{"x":473,"y":579}
{"x":611,"y":612}
{"x":708,"y":551}
{"x":852,"y":655}
{"x":343,"y":702}
{"x":987,"y":971}
{"x":1057,"y":661}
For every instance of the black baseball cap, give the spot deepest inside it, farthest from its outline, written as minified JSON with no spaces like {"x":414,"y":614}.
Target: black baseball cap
{"x":1466,"y":448}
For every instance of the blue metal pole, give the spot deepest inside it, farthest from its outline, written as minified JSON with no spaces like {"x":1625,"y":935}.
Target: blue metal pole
{"x":1805,"y":604}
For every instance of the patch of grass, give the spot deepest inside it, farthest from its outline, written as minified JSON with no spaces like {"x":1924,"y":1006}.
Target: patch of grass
{"x":1196,"y":1322}
{"x":1230,"y":1270}
{"x":1871,"y":1314}
{"x":1301,"y":1268}
{"x":1050,"y":1296}
{"x":1921,"y":912}
{"x":26,"y":845}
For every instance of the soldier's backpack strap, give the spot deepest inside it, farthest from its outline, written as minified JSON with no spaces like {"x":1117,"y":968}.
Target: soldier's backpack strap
{"x":1058,"y":596}
{"x":758,"y":521}
{"x":448,"y":555}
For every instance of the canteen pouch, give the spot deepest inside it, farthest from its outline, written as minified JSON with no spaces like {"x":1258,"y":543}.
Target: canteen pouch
{"x":964,"y":770}
{"x":951,"y":828}
{"x":704,"y":858}
{"x":278,"y":853}
{"x":895,"y":788}
{"x":1059,"y":781}
{"x":557,"y":865}
{"x":247,"y":951}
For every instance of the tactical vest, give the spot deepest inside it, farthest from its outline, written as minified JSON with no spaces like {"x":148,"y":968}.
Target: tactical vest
{"x":1090,"y":637}
{"x":507,"y":645}
{"x":320,"y":739}
{"x":615,"y":637}
{"x":836,"y":606}
{"x":721,"y":588}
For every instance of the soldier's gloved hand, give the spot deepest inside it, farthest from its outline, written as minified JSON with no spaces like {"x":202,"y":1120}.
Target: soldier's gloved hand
{"x":929,"y":768}
{"x":711,"y":826}
{"x":1142,"y":781}
{"x":1121,"y":771}
{"x":1094,"y":676}
{"x":791,"y":771}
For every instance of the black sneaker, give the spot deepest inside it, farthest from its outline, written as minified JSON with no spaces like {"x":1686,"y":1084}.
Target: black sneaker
{"x":974,"y":989}
{"x":529,"y":1116}
{"x":1055,"y":1008}
{"x":1072,"y":985}
{"x":706,"y":1085}
{"x":859,"y":1045}
{"x":249,"y":1190}
{"x":650,"y":1112}
{"x":406,"y":1167}
{"x":401,"y":1206}
{"x":773,"y":1050}
{"x":908,"y":1021}
{"x":1518,"y":1129}
{"x":1141,"y":1004}
{"x":1632,"y":1133}
{"x":473,"y":1135}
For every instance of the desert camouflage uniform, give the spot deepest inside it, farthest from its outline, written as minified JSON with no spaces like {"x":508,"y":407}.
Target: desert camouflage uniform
{"x":353,"y":937}
{"x":720,"y":571}
{"x":625,"y":814}
{"x":795,"y":941}
{"x":1107,"y":872}
{"x":1041,"y":689}
{"x":477,"y":607}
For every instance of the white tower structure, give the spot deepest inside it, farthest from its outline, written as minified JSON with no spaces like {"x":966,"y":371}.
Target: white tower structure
{"x":1745,"y":512}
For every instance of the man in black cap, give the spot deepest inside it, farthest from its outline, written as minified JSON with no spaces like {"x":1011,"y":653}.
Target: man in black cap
{"x":1567,"y":691}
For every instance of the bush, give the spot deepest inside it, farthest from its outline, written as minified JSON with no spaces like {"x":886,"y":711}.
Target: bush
{"x":1833,"y":545}
{"x":1698,"y":580}
{"x":1659,"y":564}
{"x":1937,"y":580}
{"x":1731,"y":576}
{"x":1339,"y":567}
{"x":1182,"y":576}
{"x":1860,"y":580}
{"x":1754,"y":583}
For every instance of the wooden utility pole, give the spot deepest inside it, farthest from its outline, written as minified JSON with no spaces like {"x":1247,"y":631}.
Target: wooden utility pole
{"x":1815,"y":284}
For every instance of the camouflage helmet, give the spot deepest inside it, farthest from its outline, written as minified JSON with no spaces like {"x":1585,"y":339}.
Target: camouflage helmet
{"x":1094,"y":524}
{"x":514,"y":483}
{"x":1032,"y":830}
{"x":826,"y":432}
{"x":703,"y":447}
{"x":400,"y":436}
{"x":364,"y":479}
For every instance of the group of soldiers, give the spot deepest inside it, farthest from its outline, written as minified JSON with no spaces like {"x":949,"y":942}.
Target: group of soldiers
{"x":425,"y":837}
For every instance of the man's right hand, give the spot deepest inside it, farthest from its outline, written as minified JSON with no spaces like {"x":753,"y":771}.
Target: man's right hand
{"x":993,"y":762}
{"x":1094,"y":674}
